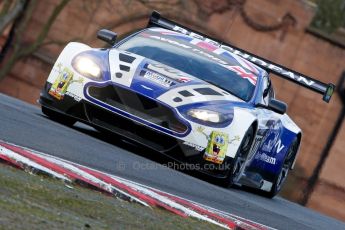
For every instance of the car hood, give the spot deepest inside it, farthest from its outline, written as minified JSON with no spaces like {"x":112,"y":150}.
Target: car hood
{"x":166,"y":84}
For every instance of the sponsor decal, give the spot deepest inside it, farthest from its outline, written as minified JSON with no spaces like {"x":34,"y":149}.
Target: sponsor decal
{"x":170,"y":41}
{"x":176,"y":35}
{"x":207,"y":46}
{"x":169,"y":72}
{"x":264,"y":157}
{"x":183,"y":79}
{"x":243,"y":73}
{"x":159,"y":79}
{"x":279,"y":146}
{"x":272,"y":141}
{"x":217,"y":145}
{"x":75,"y":97}
{"x":62,"y":82}
{"x":210,"y":56}
{"x":196,"y":147}
{"x":271,"y":144}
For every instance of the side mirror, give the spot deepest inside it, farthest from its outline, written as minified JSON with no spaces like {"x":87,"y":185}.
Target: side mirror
{"x":277,"y":106}
{"x":107,"y":36}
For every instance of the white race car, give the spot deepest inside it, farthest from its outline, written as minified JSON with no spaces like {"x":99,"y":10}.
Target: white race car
{"x":197,"y":100}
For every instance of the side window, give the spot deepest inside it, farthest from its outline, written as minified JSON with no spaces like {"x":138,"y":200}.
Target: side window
{"x":268,"y":91}
{"x":271,"y":93}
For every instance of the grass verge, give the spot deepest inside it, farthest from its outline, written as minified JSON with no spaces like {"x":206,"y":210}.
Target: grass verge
{"x":29,"y":201}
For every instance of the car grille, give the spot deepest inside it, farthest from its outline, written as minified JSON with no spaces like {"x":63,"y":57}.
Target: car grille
{"x":138,"y":105}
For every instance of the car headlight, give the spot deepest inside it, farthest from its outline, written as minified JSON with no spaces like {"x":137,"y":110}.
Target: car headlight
{"x":93,"y":64}
{"x":87,"y":67}
{"x":207,"y":115}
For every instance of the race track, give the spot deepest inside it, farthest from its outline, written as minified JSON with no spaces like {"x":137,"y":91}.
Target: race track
{"x":25,"y":125}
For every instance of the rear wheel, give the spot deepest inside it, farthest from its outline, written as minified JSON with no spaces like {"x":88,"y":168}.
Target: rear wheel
{"x":238,"y":163}
{"x":281,"y":177}
{"x":58,"y":117}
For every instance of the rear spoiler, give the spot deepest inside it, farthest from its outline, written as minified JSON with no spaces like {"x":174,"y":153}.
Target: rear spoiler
{"x":156,"y":20}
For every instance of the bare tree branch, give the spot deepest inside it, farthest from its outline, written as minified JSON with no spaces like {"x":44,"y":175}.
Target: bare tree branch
{"x":6,"y":5}
{"x":44,"y":32}
{"x":23,"y":23}
{"x":21,"y":52}
{"x":7,"y":17}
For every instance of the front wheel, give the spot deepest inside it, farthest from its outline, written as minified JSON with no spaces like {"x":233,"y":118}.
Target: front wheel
{"x":281,"y":177}
{"x":238,"y":163}
{"x":58,"y":117}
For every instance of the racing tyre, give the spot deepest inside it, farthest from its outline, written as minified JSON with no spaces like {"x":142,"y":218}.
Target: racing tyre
{"x":58,"y":117}
{"x":281,"y":177}
{"x":238,"y":163}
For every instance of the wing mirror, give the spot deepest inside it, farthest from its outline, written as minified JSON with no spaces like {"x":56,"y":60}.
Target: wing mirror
{"x":277,"y":106}
{"x":107,"y":36}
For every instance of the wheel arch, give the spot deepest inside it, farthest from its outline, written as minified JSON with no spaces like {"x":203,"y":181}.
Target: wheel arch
{"x":255,"y":124}
{"x":243,"y":119}
{"x":299,"y":141}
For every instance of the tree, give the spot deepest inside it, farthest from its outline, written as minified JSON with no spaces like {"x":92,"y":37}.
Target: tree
{"x":330,"y":15}
{"x":10,"y":10}
{"x":9,"y":14}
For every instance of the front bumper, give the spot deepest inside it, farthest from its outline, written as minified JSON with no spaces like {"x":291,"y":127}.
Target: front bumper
{"x":133,"y":131}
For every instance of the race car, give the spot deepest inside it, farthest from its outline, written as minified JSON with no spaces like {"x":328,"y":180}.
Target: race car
{"x":202,"y":102}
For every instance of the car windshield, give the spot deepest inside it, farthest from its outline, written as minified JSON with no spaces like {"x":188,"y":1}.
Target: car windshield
{"x":197,"y":58}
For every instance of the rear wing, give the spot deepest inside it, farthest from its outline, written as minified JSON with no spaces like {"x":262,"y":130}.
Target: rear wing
{"x":156,"y":20}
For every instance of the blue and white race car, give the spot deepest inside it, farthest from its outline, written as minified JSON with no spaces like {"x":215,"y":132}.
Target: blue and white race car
{"x":197,"y":100}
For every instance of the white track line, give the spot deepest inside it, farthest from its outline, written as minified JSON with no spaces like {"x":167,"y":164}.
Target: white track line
{"x":19,"y":158}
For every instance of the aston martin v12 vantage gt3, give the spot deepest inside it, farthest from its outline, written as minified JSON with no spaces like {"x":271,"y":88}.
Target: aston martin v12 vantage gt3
{"x":186,"y":95}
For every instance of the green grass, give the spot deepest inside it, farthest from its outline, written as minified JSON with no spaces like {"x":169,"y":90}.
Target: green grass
{"x":30,"y":201}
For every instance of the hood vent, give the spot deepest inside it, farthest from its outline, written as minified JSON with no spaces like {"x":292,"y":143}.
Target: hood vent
{"x":124,"y":68}
{"x":126,"y":58}
{"x":207,"y":91}
{"x":186,"y":93}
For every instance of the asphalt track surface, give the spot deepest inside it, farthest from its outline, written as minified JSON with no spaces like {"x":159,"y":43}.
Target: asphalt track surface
{"x":25,"y":125}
